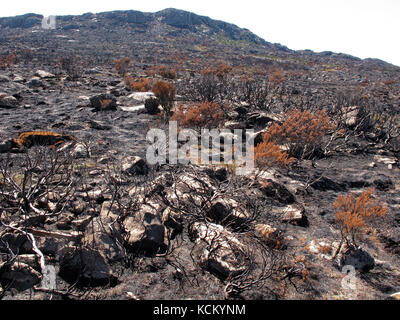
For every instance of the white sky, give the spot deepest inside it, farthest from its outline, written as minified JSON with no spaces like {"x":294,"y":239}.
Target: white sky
{"x":363,"y":28}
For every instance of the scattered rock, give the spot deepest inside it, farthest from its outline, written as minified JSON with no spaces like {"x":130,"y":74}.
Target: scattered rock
{"x":226,"y":210}
{"x":86,"y":267}
{"x":19,"y":276}
{"x":17,"y":243}
{"x":151,"y":106}
{"x":104,"y":233}
{"x":383,"y":183}
{"x":145,"y":231}
{"x":80,"y":151}
{"x":294,"y":214}
{"x":261,"y":119}
{"x":51,"y":246}
{"x":81,"y":224}
{"x":273,"y":236}
{"x":104,"y":102}
{"x":221,"y":174}
{"x":385,"y":160}
{"x":77,"y":207}
{"x":4,"y":78}
{"x":134,"y":166}
{"x":276,"y":191}
{"x":372,"y":165}
{"x":141,"y":96}
{"x":322,"y":247}
{"x":232,"y":125}
{"x":351,"y":115}
{"x":6,"y":146}
{"x":359,"y":259}
{"x":44,"y":74}
{"x":8,"y":102}
{"x":396,"y":296}
{"x":219,"y":251}
{"x":18,"y":79}
{"x":31,"y":260}
{"x":173,"y":220}
{"x":35,"y":82}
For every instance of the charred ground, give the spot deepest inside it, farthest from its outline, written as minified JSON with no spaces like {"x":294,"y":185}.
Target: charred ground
{"x":115,"y":228}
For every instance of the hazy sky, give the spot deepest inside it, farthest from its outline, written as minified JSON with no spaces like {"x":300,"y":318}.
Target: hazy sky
{"x":363,"y":28}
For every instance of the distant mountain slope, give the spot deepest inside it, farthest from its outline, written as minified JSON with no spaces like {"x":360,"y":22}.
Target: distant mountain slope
{"x":185,"y":31}
{"x":171,"y":17}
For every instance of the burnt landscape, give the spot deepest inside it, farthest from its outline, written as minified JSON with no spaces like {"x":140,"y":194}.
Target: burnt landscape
{"x":84,"y":216}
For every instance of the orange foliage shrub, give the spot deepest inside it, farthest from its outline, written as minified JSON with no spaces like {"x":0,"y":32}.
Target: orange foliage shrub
{"x":122,"y":65}
{"x":203,"y":115}
{"x":267,"y":154}
{"x":8,"y":60}
{"x":301,"y":132}
{"x":277,"y":77}
{"x":220,"y":70}
{"x":168,"y":73}
{"x":139,"y":85}
{"x":353,"y":214}
{"x":43,"y":138}
{"x":163,"y":71}
{"x":165,"y":93}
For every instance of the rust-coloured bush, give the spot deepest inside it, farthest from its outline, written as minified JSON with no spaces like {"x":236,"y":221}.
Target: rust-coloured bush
{"x":72,"y":65}
{"x":301,"y":132}
{"x":267,"y":154}
{"x":42,"y":138}
{"x":163,"y":71}
{"x":220,"y":70}
{"x":277,"y":77}
{"x":8,"y":60}
{"x":165,"y":93}
{"x":122,"y":65}
{"x":138,"y":85}
{"x":203,"y":115}
{"x":355,"y":213}
{"x":168,"y":73}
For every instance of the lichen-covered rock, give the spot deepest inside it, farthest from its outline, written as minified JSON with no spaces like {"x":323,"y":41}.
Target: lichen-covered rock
{"x":44,"y":74}
{"x":144,"y":230}
{"x":227,"y":210}
{"x":104,"y":233}
{"x":8,"y":102}
{"x":219,"y":251}
{"x":294,"y":214}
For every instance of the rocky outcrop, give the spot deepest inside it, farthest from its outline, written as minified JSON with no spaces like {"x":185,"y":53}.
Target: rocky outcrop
{"x":104,"y":233}
{"x":144,"y":231}
{"x":218,"y":250}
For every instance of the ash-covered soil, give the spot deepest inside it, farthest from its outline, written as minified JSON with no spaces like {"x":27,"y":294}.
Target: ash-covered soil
{"x":83,"y":216}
